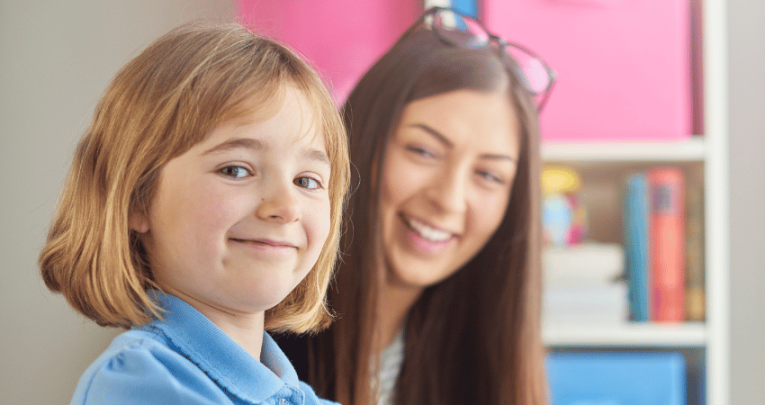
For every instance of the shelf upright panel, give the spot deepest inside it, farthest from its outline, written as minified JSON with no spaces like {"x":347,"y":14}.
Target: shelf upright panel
{"x":715,"y":74}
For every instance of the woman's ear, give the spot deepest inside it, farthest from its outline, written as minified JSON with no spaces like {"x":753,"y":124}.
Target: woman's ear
{"x":138,"y":222}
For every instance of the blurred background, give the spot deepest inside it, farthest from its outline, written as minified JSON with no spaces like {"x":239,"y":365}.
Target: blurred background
{"x":56,"y":58}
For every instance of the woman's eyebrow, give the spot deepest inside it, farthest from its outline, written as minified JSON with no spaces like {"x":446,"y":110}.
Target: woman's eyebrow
{"x":237,"y":143}
{"x":493,"y":156}
{"x":441,"y":138}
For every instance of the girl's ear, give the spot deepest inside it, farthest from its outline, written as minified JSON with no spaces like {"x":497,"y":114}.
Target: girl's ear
{"x":138,"y":222}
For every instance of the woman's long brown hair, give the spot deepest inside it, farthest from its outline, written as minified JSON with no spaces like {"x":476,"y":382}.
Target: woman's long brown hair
{"x":474,"y":338}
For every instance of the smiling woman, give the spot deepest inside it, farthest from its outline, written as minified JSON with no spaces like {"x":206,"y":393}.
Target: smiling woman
{"x":438,"y":293}
{"x":446,"y":181}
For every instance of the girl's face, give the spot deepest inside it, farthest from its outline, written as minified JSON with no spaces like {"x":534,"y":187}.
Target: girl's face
{"x":446,"y":183}
{"x":240,"y":218}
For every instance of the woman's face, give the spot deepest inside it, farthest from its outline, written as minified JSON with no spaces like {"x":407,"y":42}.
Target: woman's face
{"x":446,"y":182}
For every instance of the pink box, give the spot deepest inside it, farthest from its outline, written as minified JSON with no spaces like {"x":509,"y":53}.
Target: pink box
{"x":341,"y":38}
{"x":623,"y":66}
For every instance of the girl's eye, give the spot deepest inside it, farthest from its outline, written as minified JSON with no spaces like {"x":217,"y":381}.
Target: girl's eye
{"x":308,"y":183}
{"x":237,"y":172}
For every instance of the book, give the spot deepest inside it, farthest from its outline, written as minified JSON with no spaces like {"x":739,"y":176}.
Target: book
{"x":586,"y":264}
{"x":584,"y":284}
{"x":695,"y":301}
{"x":667,"y":244}
{"x":635,"y":224}
{"x":596,"y":305}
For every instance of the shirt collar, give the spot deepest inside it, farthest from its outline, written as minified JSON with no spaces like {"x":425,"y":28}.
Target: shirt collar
{"x":223,"y":360}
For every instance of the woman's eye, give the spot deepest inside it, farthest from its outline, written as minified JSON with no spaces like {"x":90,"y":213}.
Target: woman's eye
{"x":237,"y":172}
{"x":308,"y":183}
{"x":490,"y":177}
{"x":421,"y":151}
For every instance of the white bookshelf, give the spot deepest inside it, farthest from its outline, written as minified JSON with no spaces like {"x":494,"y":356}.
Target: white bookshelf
{"x":705,"y":158}
{"x":715,"y":39}
{"x":648,"y":335}
{"x":687,"y":150}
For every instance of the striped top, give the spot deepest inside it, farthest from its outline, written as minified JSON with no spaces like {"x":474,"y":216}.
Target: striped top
{"x":390,"y":366}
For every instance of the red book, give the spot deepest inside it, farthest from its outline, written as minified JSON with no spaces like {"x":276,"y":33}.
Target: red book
{"x":667,"y":244}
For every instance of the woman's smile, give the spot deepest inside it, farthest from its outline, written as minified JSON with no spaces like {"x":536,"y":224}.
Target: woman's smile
{"x":431,"y":233}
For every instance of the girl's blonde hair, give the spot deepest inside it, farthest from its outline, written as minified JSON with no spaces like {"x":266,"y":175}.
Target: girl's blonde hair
{"x":158,"y":106}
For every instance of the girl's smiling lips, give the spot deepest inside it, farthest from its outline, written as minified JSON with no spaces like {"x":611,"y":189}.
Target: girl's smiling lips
{"x":266,"y":245}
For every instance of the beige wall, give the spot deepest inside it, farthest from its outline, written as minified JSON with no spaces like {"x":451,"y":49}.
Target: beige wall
{"x":746,"y":63}
{"x":56,"y":58}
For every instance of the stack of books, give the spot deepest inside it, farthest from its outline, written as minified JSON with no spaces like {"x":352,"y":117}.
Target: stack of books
{"x":584,"y":284}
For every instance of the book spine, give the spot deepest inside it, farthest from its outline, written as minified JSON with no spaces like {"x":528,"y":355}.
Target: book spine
{"x":636,"y":245}
{"x":667,"y":244}
{"x":695,"y":302}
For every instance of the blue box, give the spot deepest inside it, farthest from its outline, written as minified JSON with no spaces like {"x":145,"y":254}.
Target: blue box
{"x":466,"y":7}
{"x":629,"y":378}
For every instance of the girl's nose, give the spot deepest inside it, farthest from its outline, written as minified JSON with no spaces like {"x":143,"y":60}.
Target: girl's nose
{"x":278,"y":203}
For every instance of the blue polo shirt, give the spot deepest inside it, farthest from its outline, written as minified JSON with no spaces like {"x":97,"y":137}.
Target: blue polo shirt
{"x":186,"y":359}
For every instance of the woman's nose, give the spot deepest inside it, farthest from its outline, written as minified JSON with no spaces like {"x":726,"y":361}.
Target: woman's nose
{"x":278,"y":203}
{"x":448,"y":191}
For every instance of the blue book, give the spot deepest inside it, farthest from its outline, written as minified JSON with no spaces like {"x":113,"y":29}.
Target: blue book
{"x":626,"y":378}
{"x":636,"y":216}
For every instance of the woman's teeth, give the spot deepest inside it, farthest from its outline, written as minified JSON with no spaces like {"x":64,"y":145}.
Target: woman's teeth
{"x":431,"y":234}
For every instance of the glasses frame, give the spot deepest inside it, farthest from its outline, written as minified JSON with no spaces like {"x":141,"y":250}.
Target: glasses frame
{"x":500,"y":43}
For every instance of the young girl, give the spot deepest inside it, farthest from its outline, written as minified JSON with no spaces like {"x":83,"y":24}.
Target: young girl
{"x":438,"y":294}
{"x":202,"y":207}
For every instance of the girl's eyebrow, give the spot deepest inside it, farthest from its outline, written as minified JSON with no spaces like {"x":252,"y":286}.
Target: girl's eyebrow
{"x":318,"y":156}
{"x":441,"y":138}
{"x":236,"y":143}
{"x":256,"y":145}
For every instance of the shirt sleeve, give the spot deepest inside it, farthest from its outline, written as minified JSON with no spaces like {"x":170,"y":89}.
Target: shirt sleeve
{"x":146,"y":375}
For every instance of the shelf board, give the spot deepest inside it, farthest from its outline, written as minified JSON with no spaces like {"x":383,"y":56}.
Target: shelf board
{"x":686,"y":150}
{"x":689,"y":334}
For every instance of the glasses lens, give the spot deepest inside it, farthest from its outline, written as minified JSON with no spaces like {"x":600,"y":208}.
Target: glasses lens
{"x":466,"y":32}
{"x":532,"y":71}
{"x":459,"y":30}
